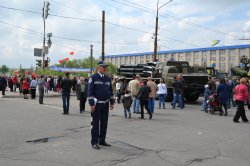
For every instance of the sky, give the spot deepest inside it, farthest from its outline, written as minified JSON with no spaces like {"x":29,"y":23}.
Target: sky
{"x":129,"y":27}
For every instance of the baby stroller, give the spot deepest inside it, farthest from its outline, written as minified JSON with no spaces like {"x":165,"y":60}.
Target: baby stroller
{"x":213,"y":104}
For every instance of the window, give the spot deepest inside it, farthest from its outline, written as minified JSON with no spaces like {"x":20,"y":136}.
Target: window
{"x":204,"y":59}
{"x":222,"y":59}
{"x":130,"y":60}
{"x":232,"y":64}
{"x":188,"y":54}
{"x":196,"y":54}
{"x":213,"y":53}
{"x":180,"y":57}
{"x":222,"y":65}
{"x":165,"y":57}
{"x":222,"y":52}
{"x":204,"y":53}
{"x":242,"y":51}
{"x":213,"y":59}
{"x":231,"y":52}
{"x":142,"y":59}
{"x":232,"y":58}
{"x":148,"y":58}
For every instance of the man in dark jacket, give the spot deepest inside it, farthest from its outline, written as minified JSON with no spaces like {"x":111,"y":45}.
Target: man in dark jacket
{"x":66,"y":85}
{"x":143,"y":95}
{"x":177,"y":92}
{"x":3,"y":84}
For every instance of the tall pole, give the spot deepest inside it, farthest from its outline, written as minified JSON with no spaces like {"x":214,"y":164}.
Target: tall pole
{"x":43,"y":34}
{"x":156,"y":37}
{"x":43,"y":41}
{"x":103,"y":34}
{"x":156,"y":27}
{"x":91,"y":59}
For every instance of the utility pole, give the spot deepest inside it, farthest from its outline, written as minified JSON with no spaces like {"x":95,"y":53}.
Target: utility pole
{"x":156,"y":27}
{"x":156,"y":34}
{"x":103,"y":34}
{"x":91,"y":59}
{"x":45,"y":16}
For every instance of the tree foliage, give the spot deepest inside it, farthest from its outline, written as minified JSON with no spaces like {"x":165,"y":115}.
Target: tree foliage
{"x":4,"y":69}
{"x":76,"y":63}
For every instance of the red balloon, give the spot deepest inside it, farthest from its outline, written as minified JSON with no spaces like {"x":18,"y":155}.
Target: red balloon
{"x":66,"y":59}
{"x":71,"y":53}
{"x":60,"y":61}
{"x":26,"y":72}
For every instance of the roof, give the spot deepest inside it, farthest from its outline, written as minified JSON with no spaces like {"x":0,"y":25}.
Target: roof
{"x":181,"y":51}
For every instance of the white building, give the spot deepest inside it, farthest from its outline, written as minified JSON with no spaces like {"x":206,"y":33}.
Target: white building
{"x":224,"y":57}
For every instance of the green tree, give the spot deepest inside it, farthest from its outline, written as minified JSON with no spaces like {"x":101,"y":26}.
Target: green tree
{"x":4,"y":69}
{"x":112,"y":69}
{"x":78,"y":63}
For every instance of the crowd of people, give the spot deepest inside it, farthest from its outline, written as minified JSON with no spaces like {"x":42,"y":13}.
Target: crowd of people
{"x":230,"y":93}
{"x":26,"y":85}
{"x":139,"y":94}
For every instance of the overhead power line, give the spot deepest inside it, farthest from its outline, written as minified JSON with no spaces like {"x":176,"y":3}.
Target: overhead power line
{"x":146,"y":9}
{"x":67,"y":38}
{"x":114,"y":24}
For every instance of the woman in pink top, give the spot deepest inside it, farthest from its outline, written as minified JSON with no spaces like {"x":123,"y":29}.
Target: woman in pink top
{"x":241,"y":95}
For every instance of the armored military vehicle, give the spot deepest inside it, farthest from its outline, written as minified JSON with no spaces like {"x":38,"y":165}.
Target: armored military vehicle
{"x":195,"y":76}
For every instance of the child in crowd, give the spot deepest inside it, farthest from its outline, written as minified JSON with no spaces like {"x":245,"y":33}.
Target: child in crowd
{"x":127,"y":102}
{"x":207,"y":93}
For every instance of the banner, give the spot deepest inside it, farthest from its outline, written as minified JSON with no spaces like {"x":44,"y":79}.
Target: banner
{"x":66,"y":69}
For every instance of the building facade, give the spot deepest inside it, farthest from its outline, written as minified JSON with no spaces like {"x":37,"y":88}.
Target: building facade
{"x":223,"y":57}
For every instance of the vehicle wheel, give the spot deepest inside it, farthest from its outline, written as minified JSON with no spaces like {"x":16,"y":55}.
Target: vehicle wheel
{"x":192,"y":98}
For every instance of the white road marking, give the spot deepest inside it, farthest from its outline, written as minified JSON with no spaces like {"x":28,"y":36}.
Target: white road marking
{"x":53,"y":107}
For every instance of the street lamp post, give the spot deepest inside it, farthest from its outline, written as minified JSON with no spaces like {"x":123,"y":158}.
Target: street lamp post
{"x":156,"y":27}
{"x":91,"y":59}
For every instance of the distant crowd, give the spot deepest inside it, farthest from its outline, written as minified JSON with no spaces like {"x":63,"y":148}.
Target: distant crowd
{"x":220,"y":94}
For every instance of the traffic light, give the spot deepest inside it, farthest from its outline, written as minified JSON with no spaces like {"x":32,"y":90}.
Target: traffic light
{"x":46,"y":10}
{"x":39,"y":63}
{"x":46,"y":63}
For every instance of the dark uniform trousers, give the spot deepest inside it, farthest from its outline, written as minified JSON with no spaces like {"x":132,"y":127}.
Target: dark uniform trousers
{"x":41,"y":95}
{"x":99,"y":120}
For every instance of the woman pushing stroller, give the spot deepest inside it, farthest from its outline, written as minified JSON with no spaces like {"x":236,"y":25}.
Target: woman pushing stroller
{"x":223,"y":92}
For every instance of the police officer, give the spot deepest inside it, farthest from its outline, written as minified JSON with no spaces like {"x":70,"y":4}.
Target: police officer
{"x":100,"y":94}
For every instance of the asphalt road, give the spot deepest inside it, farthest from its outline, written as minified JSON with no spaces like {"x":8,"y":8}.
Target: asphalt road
{"x":39,"y":135}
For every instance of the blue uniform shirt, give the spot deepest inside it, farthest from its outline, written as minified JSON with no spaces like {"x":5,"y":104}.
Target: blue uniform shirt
{"x":100,"y":88}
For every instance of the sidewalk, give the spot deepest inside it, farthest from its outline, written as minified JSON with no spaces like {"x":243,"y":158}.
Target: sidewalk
{"x":17,"y":95}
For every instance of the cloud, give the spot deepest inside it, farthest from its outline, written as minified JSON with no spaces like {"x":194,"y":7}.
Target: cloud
{"x":200,"y":20}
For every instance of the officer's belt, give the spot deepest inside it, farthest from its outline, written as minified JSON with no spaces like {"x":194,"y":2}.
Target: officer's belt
{"x":102,"y":102}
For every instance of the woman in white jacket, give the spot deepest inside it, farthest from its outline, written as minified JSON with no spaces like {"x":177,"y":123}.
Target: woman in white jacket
{"x":162,"y":93}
